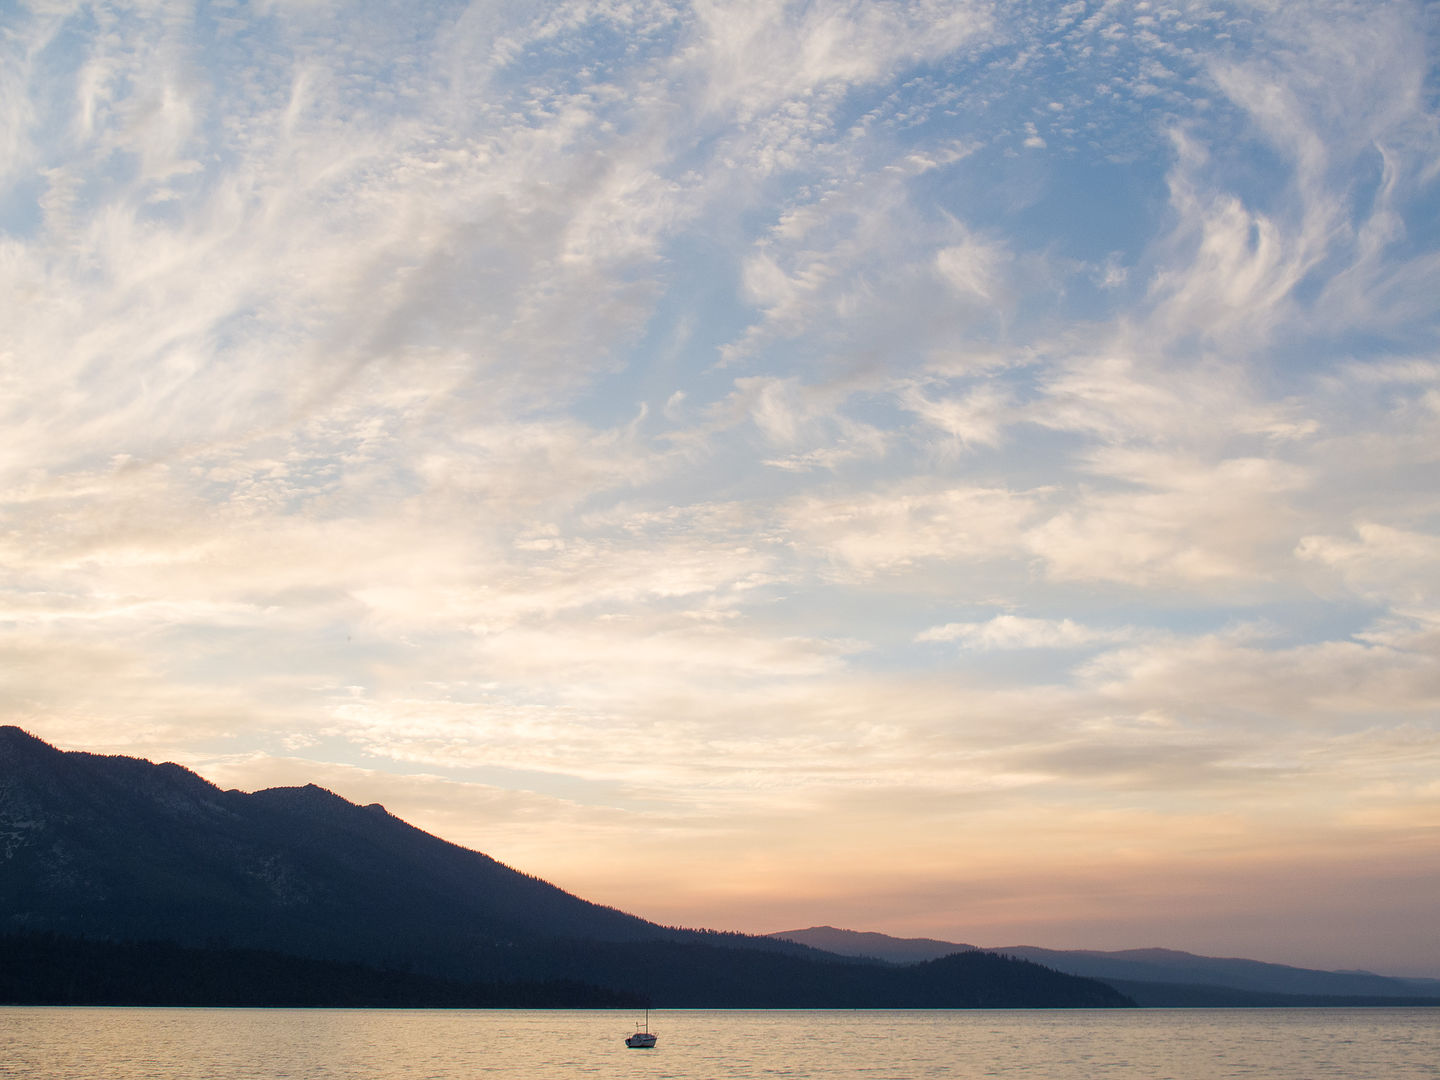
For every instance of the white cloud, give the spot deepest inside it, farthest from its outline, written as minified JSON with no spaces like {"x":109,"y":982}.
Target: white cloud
{"x":1019,"y":632}
{"x":973,"y":268}
{"x":1118,"y":397}
{"x":1218,"y":674}
{"x":979,"y":417}
{"x":897,"y":529}
{"x":1396,"y":566}
{"x":760,"y":53}
{"x":1183,"y":523}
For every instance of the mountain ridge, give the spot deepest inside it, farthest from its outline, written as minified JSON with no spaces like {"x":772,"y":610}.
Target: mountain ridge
{"x":1151,"y":975}
{"x":201,"y":864}
{"x":117,"y":849}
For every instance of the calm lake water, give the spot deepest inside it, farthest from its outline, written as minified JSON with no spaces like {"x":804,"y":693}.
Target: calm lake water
{"x":1153,"y":1044}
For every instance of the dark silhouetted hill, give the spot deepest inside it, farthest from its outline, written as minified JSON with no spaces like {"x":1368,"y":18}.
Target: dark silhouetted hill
{"x":1156,"y":977}
{"x":108,"y":849}
{"x":1251,"y":976}
{"x":116,"y":847}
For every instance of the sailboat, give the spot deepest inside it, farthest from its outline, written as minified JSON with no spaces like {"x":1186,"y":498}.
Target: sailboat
{"x":643,"y":1039}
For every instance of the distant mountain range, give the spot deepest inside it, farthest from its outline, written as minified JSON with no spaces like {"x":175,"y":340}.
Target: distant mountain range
{"x":122,"y":881}
{"x":1155,"y":977}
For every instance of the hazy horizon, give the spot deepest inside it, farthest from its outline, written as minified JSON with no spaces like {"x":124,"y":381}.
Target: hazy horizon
{"x":945,"y":468}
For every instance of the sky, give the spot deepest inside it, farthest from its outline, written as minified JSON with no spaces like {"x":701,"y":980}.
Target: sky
{"x":948,"y":468}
